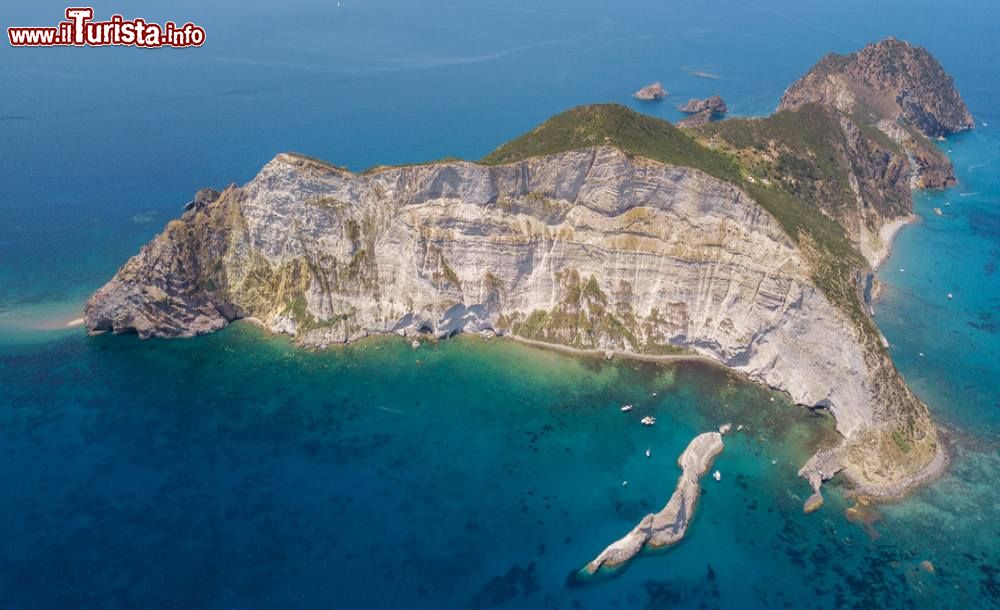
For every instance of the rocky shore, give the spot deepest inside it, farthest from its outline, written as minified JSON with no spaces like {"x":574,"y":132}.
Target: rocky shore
{"x":670,"y":524}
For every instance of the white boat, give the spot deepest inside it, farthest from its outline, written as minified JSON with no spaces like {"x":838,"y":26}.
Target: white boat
{"x":949,"y":296}
{"x":647,"y":451}
{"x":648,"y":421}
{"x":626,"y":408}
{"x":717,"y":475}
{"x":624,"y":483}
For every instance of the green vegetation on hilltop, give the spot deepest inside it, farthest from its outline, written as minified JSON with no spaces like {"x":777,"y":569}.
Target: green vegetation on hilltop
{"x":617,"y":126}
{"x":801,"y":151}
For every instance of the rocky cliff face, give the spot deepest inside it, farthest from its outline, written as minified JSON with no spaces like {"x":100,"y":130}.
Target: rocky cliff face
{"x":899,"y":88}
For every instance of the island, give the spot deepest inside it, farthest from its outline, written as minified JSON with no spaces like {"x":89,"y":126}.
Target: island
{"x":651,"y":93}
{"x":747,"y":242}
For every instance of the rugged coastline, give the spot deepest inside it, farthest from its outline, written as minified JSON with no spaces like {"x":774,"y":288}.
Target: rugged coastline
{"x":601,"y":230}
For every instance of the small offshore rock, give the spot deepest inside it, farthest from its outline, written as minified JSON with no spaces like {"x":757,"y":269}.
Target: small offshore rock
{"x":608,"y":355}
{"x":725,"y":428}
{"x":415,"y":344}
{"x":651,"y":92}
{"x":927,"y":566}
{"x":714,"y":104}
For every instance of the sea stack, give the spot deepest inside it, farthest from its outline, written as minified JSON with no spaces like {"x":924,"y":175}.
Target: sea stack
{"x":651,"y":93}
{"x":670,"y":524}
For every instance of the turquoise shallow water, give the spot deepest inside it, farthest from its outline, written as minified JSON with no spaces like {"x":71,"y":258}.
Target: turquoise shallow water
{"x":236,"y":471}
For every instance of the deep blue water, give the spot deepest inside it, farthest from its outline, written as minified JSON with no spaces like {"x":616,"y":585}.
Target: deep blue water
{"x":237,"y":471}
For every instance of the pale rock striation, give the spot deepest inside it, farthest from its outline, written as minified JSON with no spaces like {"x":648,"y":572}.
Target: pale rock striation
{"x":670,"y":524}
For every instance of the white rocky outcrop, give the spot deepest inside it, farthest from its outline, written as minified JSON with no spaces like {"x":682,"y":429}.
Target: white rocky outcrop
{"x":670,"y":524}
{"x":590,"y":248}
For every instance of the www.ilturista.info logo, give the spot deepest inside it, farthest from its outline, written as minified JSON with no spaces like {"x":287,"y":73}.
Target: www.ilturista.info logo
{"x":80,"y":30}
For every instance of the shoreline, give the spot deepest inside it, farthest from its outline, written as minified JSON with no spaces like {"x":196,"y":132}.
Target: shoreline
{"x":603,"y":354}
{"x":895,"y":492}
{"x":888,"y":233}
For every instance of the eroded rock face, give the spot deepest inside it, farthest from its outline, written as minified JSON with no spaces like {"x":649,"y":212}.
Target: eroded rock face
{"x":652,"y":92}
{"x":591,"y":249}
{"x":670,"y":524}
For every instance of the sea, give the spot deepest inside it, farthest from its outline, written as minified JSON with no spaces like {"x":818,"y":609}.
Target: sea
{"x":238,"y":471}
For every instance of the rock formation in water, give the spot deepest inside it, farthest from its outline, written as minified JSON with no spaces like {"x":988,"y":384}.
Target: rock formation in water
{"x":747,"y":241}
{"x":702,"y":111}
{"x":651,"y":93}
{"x":898,"y":88}
{"x":714,"y":104}
{"x":670,"y":524}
